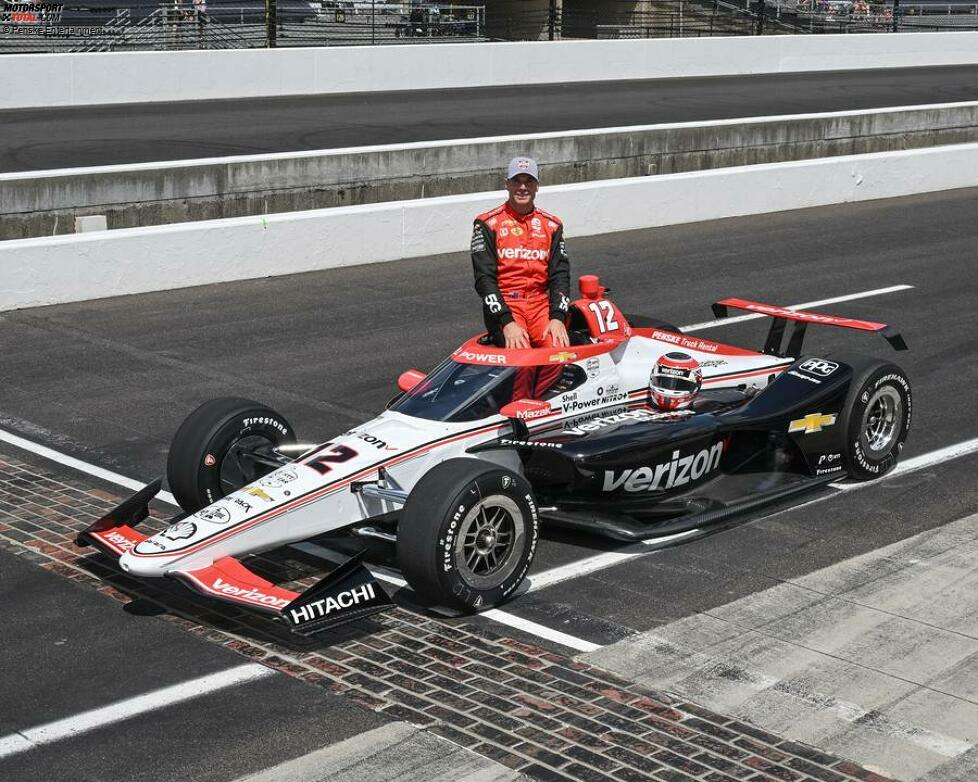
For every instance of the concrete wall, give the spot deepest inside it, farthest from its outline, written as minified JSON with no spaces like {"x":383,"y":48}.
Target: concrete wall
{"x":46,"y":203}
{"x":128,"y":77}
{"x":109,"y":263}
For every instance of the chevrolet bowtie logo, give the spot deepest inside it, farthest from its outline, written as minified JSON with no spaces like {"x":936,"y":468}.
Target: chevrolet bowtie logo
{"x":565,"y":356}
{"x":813,"y":422}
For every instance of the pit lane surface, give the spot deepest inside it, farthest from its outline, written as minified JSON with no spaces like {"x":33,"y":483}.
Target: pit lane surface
{"x":109,"y":381}
{"x":38,"y":139}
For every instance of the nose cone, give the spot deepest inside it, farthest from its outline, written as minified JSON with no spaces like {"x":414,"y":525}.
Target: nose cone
{"x":149,"y":567}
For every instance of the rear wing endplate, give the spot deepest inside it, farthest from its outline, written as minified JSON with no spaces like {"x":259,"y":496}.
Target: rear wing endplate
{"x":782,"y":315}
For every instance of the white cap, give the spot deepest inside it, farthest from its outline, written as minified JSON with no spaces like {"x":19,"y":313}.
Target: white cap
{"x":523,"y":165}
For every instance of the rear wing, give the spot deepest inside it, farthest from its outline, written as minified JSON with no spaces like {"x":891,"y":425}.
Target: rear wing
{"x":782,"y":315}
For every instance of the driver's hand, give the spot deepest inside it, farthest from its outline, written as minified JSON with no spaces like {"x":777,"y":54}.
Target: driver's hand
{"x":516,"y":337}
{"x":557,"y":333}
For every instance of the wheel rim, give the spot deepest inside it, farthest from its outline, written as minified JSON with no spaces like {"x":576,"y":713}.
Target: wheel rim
{"x":881,"y":422}
{"x":236,"y":469}
{"x":488,"y":542}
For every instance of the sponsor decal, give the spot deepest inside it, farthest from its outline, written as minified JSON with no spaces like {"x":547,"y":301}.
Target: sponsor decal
{"x":521,"y":253}
{"x":209,"y":460}
{"x":279,"y":478}
{"x":686,"y":342}
{"x":812,"y":423}
{"x":478,"y":240}
{"x":563,"y":356}
{"x":573,"y":405}
{"x":215,"y":514}
{"x":828,"y":470}
{"x":493,"y":303}
{"x":564,"y":304}
{"x":517,"y":231}
{"x":679,"y":471}
{"x":625,"y":417}
{"x":179,"y":531}
{"x":528,"y":444}
{"x":254,"y":491}
{"x":803,"y":377}
{"x":818,"y":367}
{"x":484,"y":358}
{"x":713,"y":362}
{"x":118,"y":539}
{"x":245,"y":506}
{"x":591,"y":366}
{"x":449,"y":540}
{"x":266,"y":421}
{"x":507,"y":481}
{"x":250,"y":594}
{"x":830,"y":458}
{"x":381,"y":445}
{"x":536,"y":223}
{"x":525,"y":415}
{"x":318,"y":609}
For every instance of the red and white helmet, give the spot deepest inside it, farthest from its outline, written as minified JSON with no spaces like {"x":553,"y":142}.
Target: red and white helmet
{"x":675,"y":380}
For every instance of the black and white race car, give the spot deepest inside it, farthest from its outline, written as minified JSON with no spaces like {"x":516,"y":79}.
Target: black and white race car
{"x":463,"y":465}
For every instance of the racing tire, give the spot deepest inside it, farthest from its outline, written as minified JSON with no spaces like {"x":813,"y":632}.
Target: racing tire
{"x":875,"y":417}
{"x":644,"y":322}
{"x":467,"y":534}
{"x":204,"y":464}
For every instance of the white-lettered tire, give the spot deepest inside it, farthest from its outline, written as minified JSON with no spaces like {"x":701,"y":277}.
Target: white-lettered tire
{"x":467,"y":534}
{"x":876,"y":417}
{"x":209,"y":453}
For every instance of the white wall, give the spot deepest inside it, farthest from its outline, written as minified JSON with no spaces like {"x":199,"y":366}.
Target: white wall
{"x":94,"y":265}
{"x":31,"y":80}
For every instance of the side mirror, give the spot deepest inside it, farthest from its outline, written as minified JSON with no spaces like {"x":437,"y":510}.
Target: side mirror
{"x":525,"y":409}
{"x":410,"y":379}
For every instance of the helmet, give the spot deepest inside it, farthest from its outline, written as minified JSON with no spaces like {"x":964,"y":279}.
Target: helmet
{"x":675,"y":381}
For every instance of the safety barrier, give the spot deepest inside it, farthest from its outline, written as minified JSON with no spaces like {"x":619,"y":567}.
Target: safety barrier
{"x":34,"y":80}
{"x":42,"y":203}
{"x":134,"y":260}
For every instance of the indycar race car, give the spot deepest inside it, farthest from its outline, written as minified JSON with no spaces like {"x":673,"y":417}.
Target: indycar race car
{"x":461,"y":467}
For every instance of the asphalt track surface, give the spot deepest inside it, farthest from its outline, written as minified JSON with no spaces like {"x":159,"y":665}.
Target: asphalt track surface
{"x":109,"y":381}
{"x":38,"y":139}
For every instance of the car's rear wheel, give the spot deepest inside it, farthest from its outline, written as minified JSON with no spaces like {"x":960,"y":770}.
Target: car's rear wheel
{"x":875,"y":418}
{"x":467,"y":534}
{"x":223,"y":445}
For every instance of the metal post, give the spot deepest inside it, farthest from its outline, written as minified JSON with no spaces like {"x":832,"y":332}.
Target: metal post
{"x":896,"y":16}
{"x":271,"y":30}
{"x":373,"y":22}
{"x":552,"y":20}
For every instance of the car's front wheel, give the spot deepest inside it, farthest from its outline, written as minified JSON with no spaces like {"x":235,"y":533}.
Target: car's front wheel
{"x":467,"y":534}
{"x":221,"y":446}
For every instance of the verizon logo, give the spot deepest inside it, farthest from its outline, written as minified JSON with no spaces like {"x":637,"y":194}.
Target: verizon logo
{"x":677,"y":472}
{"x":522,"y":254}
{"x":251,"y":594}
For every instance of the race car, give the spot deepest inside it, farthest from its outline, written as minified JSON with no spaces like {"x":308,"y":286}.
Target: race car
{"x":461,"y":468}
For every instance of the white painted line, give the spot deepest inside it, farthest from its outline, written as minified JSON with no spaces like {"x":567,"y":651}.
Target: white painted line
{"x":78,"y":464}
{"x":520,"y":139}
{"x":122,"y":710}
{"x":598,"y":562}
{"x":710,"y":324}
{"x":539,"y":630}
{"x":920,"y":462}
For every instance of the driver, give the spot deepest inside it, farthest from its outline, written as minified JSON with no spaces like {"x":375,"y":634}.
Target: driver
{"x":675,"y":380}
{"x":521,"y":269}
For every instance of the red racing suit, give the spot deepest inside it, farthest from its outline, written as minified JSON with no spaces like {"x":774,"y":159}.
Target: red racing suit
{"x":521,"y":270}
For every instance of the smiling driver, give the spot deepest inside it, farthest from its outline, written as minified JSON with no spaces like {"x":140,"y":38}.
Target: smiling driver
{"x":521,"y":269}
